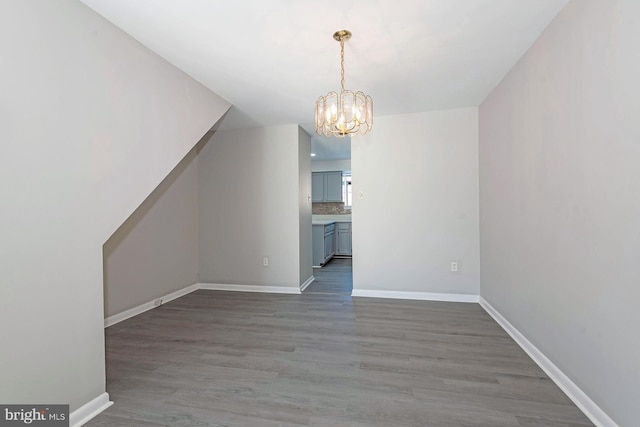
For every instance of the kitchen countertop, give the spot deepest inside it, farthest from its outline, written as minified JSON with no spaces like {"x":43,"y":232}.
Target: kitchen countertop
{"x":329,"y":219}
{"x":323,"y":222}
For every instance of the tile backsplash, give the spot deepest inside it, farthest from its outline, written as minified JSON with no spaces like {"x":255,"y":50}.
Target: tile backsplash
{"x":329,"y":208}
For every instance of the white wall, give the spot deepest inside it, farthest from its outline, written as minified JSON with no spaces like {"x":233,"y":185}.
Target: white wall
{"x":418,"y":174}
{"x":248,"y":207}
{"x":304,"y":200}
{"x":155,"y":251}
{"x":560,"y":228}
{"x":330,"y":165}
{"x":90,"y":123}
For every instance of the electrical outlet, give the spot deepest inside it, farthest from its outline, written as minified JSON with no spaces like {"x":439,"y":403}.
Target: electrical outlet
{"x":265,"y":261}
{"x":454,"y":266}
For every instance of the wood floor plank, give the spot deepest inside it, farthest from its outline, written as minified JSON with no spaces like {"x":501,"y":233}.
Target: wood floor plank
{"x":214,"y":358}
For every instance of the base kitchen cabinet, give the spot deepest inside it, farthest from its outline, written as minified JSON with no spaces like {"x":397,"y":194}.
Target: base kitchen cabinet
{"x":343,"y":239}
{"x":324,"y":243}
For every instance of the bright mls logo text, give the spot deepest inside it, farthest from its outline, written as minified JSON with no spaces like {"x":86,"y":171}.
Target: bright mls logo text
{"x":40,"y":415}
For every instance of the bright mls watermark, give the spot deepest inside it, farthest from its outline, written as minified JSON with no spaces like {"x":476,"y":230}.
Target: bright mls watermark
{"x":34,"y":415}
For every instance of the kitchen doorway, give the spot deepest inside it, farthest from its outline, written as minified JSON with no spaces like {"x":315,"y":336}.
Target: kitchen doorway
{"x":335,"y":277}
{"x":331,"y":196}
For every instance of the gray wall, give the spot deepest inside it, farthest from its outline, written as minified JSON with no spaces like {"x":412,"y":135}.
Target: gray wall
{"x":248,"y":207}
{"x":560,"y":228}
{"x":90,"y":123}
{"x":418,"y":174}
{"x":330,"y":165}
{"x":304,"y":179}
{"x":155,"y":251}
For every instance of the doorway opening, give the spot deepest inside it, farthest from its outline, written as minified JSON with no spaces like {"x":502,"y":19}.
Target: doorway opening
{"x":335,"y":277}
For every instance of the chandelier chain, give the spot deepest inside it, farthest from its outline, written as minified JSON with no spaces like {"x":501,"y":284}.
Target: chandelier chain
{"x":342,"y":63}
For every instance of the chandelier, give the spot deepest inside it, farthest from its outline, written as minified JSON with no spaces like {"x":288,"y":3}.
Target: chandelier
{"x":345,"y":113}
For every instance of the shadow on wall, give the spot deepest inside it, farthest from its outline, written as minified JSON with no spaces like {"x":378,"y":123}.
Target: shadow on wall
{"x":155,"y":251}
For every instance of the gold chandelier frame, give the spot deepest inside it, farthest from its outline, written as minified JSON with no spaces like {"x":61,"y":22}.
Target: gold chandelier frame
{"x":346,"y":113}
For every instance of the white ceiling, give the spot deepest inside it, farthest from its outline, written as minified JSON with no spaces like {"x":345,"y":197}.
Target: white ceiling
{"x":273,"y":58}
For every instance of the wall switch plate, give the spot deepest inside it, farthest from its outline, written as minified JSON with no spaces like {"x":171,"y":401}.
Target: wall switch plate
{"x":265,"y":261}
{"x":454,"y":266}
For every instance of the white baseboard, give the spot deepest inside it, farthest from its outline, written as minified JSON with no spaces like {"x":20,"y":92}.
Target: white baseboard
{"x":117,"y":318}
{"x":427,"y":296}
{"x":582,"y":401}
{"x":307,"y":283}
{"x":249,"y":288}
{"x":89,"y":410}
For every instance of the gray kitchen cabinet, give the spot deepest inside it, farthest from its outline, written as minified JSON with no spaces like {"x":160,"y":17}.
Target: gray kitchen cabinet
{"x":317,"y":187}
{"x":317,"y":237}
{"x":343,"y":238}
{"x":326,"y":186}
{"x":324,"y":244}
{"x":328,"y":245}
{"x":333,"y":186}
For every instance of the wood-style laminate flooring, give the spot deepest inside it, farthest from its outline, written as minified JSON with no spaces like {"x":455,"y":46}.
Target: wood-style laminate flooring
{"x":335,"y":277}
{"x":215,"y":358}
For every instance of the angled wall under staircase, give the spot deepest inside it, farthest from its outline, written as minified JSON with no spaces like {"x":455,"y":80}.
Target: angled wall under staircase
{"x":91,"y":122}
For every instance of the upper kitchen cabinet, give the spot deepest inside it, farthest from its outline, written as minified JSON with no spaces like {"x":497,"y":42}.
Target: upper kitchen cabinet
{"x":326,"y":186}
{"x":317,"y":186}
